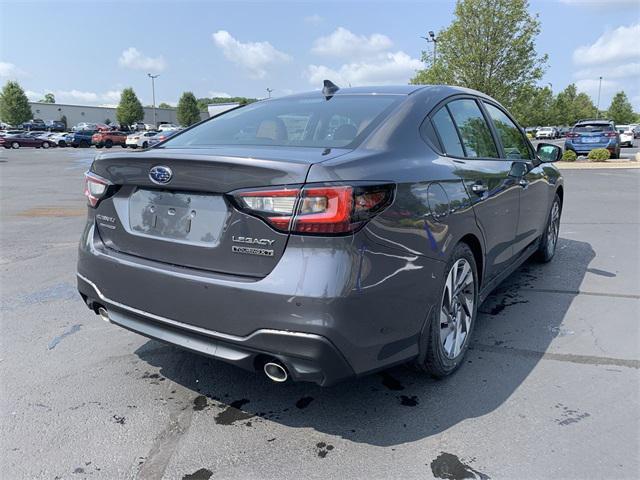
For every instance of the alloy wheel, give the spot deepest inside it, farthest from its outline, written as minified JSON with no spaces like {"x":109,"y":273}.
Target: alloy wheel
{"x":553,"y":229}
{"x":456,"y":311}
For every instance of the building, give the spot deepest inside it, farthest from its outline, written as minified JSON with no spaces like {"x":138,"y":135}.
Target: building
{"x":93,"y":114}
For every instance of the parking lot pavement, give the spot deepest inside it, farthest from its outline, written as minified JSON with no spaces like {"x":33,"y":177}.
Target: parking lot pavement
{"x":549,"y":388}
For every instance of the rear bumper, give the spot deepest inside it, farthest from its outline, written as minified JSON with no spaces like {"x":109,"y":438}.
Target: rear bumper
{"x":332,"y":308}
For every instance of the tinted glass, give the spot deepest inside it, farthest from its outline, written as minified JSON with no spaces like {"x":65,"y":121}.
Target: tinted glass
{"x":305,"y":122}
{"x":513,"y":141}
{"x":447,"y":131}
{"x":475,"y":133}
{"x":593,"y":128}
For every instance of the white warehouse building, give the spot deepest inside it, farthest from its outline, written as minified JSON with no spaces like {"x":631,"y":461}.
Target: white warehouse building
{"x":93,"y":114}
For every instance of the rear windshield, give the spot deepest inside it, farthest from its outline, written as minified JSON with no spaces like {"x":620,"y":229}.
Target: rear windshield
{"x":305,"y":122}
{"x":592,"y":128}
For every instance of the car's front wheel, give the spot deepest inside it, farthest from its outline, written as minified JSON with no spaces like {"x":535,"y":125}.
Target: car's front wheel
{"x":45,"y":145}
{"x":15,"y":145}
{"x":549,"y":241}
{"x":452,"y":321}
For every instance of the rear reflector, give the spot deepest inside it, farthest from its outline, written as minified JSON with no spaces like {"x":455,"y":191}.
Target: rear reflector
{"x":316,"y":209}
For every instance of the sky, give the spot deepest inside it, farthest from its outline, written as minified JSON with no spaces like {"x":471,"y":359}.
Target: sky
{"x":86,"y":52}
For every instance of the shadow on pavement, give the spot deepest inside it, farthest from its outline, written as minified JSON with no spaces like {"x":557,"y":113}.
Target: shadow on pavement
{"x":398,"y":405}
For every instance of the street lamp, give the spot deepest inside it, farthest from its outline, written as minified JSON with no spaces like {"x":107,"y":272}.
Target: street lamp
{"x":432,"y":39}
{"x":598,"y":105}
{"x":269,"y":90}
{"x":153,"y":93}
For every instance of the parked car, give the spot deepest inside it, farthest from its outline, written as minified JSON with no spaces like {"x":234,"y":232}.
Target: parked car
{"x":531,"y":132}
{"x":589,"y":134}
{"x":81,"y":138}
{"x":35,"y":124}
{"x":4,"y":133}
{"x":636,"y":131}
{"x":62,"y":139}
{"x":108,"y":139}
{"x":25,"y":140}
{"x":85,"y":126}
{"x":55,"y":126}
{"x":626,"y":135}
{"x":165,"y":127}
{"x":562,"y":132}
{"x":139,"y":139}
{"x":547,"y":132}
{"x":357,"y":245}
{"x":161,"y":137}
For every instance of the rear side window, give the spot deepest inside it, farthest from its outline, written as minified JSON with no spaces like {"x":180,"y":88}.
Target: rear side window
{"x":474,"y":131}
{"x":513,"y":141}
{"x":446,"y":129}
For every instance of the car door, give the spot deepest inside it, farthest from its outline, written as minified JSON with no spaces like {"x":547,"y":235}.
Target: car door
{"x":528,"y":172}
{"x":467,"y":140}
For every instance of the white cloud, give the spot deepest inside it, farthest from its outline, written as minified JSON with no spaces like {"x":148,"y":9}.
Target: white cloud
{"x":598,"y":3}
{"x":253,"y":56}
{"x":386,"y":69}
{"x":344,"y":43}
{"x":134,"y":59}
{"x":33,"y":96}
{"x":10,"y":71}
{"x":624,"y":70}
{"x":108,"y":98}
{"x":615,"y":46}
{"x":213,"y":94}
{"x":314,"y":19}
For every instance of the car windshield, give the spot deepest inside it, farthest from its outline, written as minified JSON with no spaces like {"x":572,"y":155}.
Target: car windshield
{"x":304,"y":122}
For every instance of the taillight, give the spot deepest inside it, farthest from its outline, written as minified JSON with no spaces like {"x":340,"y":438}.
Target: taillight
{"x":572,"y":135}
{"x":610,"y":134}
{"x":95,"y":188}
{"x":316,"y":209}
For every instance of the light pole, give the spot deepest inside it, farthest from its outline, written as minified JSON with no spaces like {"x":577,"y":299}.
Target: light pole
{"x":598,"y":105}
{"x":153,"y":93}
{"x":269,"y":90}
{"x":432,"y":39}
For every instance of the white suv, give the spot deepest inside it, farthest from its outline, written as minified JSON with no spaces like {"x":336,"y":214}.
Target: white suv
{"x":626,"y":135}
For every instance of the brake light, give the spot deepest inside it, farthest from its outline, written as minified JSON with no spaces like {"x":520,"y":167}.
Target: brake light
{"x":316,"y":209}
{"x":610,"y":134}
{"x":95,"y":188}
{"x":572,"y":135}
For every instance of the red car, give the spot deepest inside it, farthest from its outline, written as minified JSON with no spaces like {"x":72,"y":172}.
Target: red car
{"x":109,"y":139}
{"x":25,"y":140}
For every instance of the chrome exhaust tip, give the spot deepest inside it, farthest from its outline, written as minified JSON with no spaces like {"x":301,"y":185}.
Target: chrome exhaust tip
{"x":103,"y":314}
{"x":275,"y":372}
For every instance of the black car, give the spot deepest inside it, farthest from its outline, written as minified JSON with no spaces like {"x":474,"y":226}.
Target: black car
{"x":55,"y":126}
{"x":323,"y":235}
{"x":81,"y":138}
{"x":35,"y":124}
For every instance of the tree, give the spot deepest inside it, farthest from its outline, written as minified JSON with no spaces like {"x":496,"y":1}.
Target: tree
{"x":534,"y":106}
{"x":620,"y":110}
{"x":164,"y":105}
{"x":48,"y":98}
{"x":490,"y":47}
{"x":188,"y":112}
{"x":14,"y":105}
{"x":129,"y":109}
{"x":571,"y":106}
{"x":63,"y":119}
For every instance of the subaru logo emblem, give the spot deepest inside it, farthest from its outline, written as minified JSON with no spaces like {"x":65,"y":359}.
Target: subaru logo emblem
{"x":160,"y":174}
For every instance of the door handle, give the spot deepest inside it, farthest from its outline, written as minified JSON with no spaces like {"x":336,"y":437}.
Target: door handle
{"x":479,"y":188}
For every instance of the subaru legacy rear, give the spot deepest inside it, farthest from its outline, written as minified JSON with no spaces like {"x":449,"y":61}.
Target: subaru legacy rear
{"x":587,"y":135}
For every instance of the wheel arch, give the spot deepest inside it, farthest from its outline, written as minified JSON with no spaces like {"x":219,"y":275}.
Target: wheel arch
{"x":473,"y":242}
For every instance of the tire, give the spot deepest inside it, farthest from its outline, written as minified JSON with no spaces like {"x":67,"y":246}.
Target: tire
{"x":62,"y":143}
{"x":74,"y":145}
{"x":108,"y":144}
{"x":45,"y":145}
{"x":15,"y":145}
{"x":615,"y":155}
{"x":445,"y":345}
{"x":98,"y":145}
{"x":145,"y":144}
{"x":549,"y":241}
{"x":124,"y":145}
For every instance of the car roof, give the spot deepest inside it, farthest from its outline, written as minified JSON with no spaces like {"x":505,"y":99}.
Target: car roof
{"x":439,"y":90}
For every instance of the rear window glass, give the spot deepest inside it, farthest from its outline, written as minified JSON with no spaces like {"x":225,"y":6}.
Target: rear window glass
{"x":589,"y":128}
{"x":304,"y":122}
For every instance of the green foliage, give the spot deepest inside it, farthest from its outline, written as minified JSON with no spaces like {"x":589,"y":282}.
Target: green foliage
{"x":533,"y":106}
{"x":569,"y":156}
{"x":188,"y":112}
{"x":490,"y":47}
{"x":14,"y":105}
{"x":107,"y":121}
{"x":571,"y":106}
{"x":48,"y":98}
{"x":205,"y":101}
{"x":620,"y":110}
{"x":599,"y":155}
{"x":164,"y":105}
{"x":63,"y":119}
{"x":129,"y":109}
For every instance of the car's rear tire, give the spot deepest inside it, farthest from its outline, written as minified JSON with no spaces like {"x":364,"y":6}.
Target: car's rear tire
{"x":453,"y":318}
{"x":45,"y":145}
{"x":15,"y":145}
{"x":549,"y":241}
{"x":145,"y":144}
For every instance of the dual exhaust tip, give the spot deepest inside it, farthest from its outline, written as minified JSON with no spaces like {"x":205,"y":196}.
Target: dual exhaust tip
{"x":274,"y":371}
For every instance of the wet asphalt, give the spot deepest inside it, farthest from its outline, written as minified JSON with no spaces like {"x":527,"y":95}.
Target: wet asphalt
{"x":549,"y":389}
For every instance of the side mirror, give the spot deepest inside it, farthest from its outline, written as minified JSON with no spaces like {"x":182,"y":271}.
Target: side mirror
{"x":548,"y":152}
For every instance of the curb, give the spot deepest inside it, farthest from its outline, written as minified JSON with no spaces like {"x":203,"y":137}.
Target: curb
{"x":596,"y":165}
